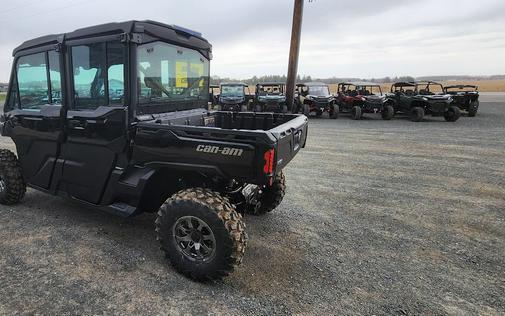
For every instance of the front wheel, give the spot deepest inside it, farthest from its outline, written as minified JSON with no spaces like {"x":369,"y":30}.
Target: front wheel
{"x":334,"y":113}
{"x":356,"y":112}
{"x":306,"y":110}
{"x":473,"y":108}
{"x":452,"y":114}
{"x":12,"y":184}
{"x":201,"y":234}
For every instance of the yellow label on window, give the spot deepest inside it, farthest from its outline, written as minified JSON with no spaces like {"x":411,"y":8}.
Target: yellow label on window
{"x":197,"y":71}
{"x":181,"y":74}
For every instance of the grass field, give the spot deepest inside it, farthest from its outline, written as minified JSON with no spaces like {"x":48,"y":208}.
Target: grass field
{"x":2,"y":97}
{"x":484,"y":85}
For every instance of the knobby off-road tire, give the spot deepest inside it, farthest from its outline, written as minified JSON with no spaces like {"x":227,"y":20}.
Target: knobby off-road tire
{"x":473,"y":108}
{"x":12,"y":184}
{"x":387,"y":112}
{"x":417,"y":114}
{"x":271,"y":197}
{"x":356,"y":112}
{"x":214,"y":222}
{"x":336,"y":110}
{"x":452,"y":114}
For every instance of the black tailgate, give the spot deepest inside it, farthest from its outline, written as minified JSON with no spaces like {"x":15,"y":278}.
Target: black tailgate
{"x":291,"y":136}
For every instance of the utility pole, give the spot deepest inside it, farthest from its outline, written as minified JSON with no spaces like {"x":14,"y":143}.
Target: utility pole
{"x":294,"y":52}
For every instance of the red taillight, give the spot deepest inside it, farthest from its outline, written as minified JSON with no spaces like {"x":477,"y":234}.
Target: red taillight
{"x":269,"y":157}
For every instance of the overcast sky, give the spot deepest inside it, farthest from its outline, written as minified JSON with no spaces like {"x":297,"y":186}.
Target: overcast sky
{"x":367,"y":38}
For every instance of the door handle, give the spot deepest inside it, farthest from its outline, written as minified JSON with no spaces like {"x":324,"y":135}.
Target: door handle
{"x":76,"y":124}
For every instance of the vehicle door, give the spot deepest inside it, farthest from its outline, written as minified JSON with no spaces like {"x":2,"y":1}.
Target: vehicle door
{"x":33,"y":114}
{"x":96,"y":122}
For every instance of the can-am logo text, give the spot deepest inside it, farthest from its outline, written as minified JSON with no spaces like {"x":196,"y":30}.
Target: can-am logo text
{"x":220,"y":150}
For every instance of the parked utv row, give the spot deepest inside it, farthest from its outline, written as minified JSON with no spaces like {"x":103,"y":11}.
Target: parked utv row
{"x":414,"y":99}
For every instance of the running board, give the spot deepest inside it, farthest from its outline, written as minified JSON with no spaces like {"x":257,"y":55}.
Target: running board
{"x":120,"y":209}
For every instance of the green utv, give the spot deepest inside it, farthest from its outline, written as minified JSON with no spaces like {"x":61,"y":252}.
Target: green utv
{"x":234,"y":97}
{"x":115,"y":117}
{"x":421,"y":98}
{"x":270,"y":97}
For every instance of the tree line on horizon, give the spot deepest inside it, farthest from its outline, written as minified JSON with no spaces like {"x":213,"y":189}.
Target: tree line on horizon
{"x":216,"y":80}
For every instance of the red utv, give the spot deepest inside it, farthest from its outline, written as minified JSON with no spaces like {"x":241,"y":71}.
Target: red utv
{"x":358,"y":98}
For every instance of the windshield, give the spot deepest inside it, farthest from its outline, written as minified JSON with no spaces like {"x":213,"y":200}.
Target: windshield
{"x":429,"y":88}
{"x":319,"y":91}
{"x":270,"y":89}
{"x":232,"y":91}
{"x":369,"y":90}
{"x":171,"y":74}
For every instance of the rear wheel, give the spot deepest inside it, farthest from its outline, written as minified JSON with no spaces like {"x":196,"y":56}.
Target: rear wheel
{"x":257,"y":108}
{"x":417,"y":114}
{"x":356,"y":112}
{"x":12,"y":184}
{"x":201,"y":234}
{"x":284,"y":109}
{"x":473,"y":108}
{"x":334,"y":113}
{"x":387,"y":112}
{"x":452,"y":114}
{"x":271,"y":196}
{"x":243,"y":108}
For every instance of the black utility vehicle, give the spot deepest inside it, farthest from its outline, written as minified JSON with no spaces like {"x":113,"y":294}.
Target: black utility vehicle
{"x":466,"y":97}
{"x":154,"y":148}
{"x":234,"y":97}
{"x":420,"y":98}
{"x":270,"y":97}
{"x":213,"y":95}
{"x":358,"y":98}
{"x":315,"y":97}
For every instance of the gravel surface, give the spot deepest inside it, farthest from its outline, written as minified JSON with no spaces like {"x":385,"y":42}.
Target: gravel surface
{"x":380,"y":218}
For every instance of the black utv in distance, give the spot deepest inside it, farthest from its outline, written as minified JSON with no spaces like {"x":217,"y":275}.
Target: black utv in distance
{"x":421,"y":98}
{"x":466,"y":97}
{"x":315,"y":97}
{"x":234,"y":97}
{"x":131,"y":134}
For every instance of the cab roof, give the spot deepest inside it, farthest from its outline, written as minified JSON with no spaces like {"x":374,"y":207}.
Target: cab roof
{"x":170,"y":33}
{"x":270,"y":83}
{"x":234,"y":84}
{"x":312,"y":84}
{"x":360,"y":83}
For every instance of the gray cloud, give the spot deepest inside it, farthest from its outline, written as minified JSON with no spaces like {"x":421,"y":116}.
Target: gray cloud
{"x":340,"y":38}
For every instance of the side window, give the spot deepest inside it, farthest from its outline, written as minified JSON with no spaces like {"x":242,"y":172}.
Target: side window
{"x":115,"y":72}
{"x":88,"y":62}
{"x":32,"y":81}
{"x":55,"y":77}
{"x":98,"y":70}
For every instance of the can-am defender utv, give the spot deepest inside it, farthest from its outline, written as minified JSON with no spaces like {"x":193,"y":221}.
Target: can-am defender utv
{"x":131,"y":134}
{"x":234,"y":97}
{"x":358,"y":98}
{"x":270,"y":97}
{"x":466,"y":97}
{"x":315,"y":97}
{"x":421,"y":98}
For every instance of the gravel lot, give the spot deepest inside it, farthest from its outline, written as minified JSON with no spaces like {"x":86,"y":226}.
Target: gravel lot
{"x":380,"y":218}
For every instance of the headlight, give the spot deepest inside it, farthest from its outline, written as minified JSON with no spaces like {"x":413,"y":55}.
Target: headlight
{"x":425,"y":99}
{"x":309,"y":97}
{"x":363,"y":99}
